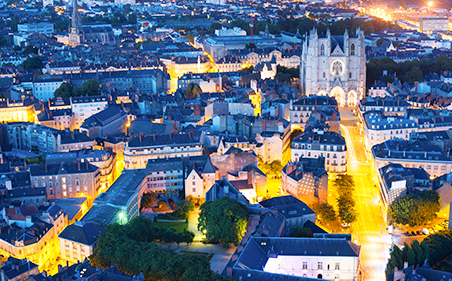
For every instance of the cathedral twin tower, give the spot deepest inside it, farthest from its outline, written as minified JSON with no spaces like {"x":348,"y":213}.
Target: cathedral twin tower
{"x":334,"y":66}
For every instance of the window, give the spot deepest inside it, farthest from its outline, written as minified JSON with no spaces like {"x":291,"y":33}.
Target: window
{"x":322,"y":50}
{"x":350,"y":75}
{"x":320,"y":265}
{"x":352,"y":50}
{"x":324,"y":74}
{"x":194,"y":189}
{"x":305,"y":265}
{"x":337,"y":267}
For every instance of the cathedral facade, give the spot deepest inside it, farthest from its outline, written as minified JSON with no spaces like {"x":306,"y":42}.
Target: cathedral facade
{"x":334,"y":66}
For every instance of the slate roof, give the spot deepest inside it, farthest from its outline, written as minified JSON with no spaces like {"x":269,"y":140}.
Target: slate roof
{"x":331,"y":138}
{"x":166,"y":140}
{"x":15,"y":267}
{"x":62,"y":169}
{"x":83,"y":233}
{"x":288,"y":206}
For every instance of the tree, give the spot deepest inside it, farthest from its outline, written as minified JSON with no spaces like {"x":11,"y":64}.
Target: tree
{"x":30,"y":49}
{"x":130,"y":246}
{"x":223,"y":220}
{"x":250,"y":46}
{"x":295,"y":133}
{"x":408,"y":254}
{"x":148,"y":199}
{"x":301,"y":232}
{"x":395,"y":260}
{"x":64,"y":91}
{"x":415,"y":209}
{"x":193,"y":90}
{"x":438,"y":246}
{"x":418,"y":254}
{"x":247,"y":69}
{"x":415,"y":74}
{"x":183,"y":208}
{"x":91,"y":87}
{"x":326,"y":212}
{"x":33,"y":63}
{"x":345,"y":186}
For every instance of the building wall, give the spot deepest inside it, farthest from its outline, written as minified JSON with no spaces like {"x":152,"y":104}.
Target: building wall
{"x":74,"y":252}
{"x":335,"y":155}
{"x":328,"y":268}
{"x":339,"y":72}
{"x":83,"y":110}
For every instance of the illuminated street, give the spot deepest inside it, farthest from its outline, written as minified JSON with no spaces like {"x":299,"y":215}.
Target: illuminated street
{"x":369,"y":229}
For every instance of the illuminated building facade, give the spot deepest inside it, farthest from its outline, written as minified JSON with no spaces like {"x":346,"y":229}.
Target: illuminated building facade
{"x":334,"y":66}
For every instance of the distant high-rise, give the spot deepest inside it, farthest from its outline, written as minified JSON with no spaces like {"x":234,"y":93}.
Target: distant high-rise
{"x":46,"y":3}
{"x":75,"y":37}
{"x":124,"y":2}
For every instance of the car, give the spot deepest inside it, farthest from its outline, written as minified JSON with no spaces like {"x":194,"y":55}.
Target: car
{"x":413,"y":233}
{"x":419,"y":232}
{"x":407,"y":234}
{"x":425,"y":231}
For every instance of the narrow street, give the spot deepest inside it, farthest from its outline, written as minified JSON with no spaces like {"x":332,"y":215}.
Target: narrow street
{"x":369,"y":230}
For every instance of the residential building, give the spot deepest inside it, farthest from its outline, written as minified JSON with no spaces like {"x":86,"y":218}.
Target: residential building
{"x":379,"y":128}
{"x":334,"y":66}
{"x":17,"y":111}
{"x":109,"y":121}
{"x":141,"y":148}
{"x":301,"y":110}
{"x":37,"y":237}
{"x":431,"y":25}
{"x":200,"y":175}
{"x":121,"y":202}
{"x":44,"y":86}
{"x":77,"y":241}
{"x":296,"y":212}
{"x":217,"y":46}
{"x":412,"y":154}
{"x":321,"y":143}
{"x":233,"y":160}
{"x":74,"y":141}
{"x":223,"y":188}
{"x":67,"y":180}
{"x":41,"y":27}
{"x":85,"y":107}
{"x":165,"y":175}
{"x":264,"y":258}
{"x":60,"y":119}
{"x":15,"y":269}
{"x":306,"y":180}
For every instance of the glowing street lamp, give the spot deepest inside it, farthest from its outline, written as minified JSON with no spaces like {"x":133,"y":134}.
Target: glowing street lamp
{"x":122,"y":216}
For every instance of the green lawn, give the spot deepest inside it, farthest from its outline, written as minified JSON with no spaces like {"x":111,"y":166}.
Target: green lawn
{"x":178,"y":226}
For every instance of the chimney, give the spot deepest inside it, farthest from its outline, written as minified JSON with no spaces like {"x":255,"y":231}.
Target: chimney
{"x":140,"y":137}
{"x":169,"y":118}
{"x":154,"y":137}
{"x":170,"y":135}
{"x":191,"y":135}
{"x":79,"y":165}
{"x":264,"y":125}
{"x":334,"y":116}
{"x":46,"y":168}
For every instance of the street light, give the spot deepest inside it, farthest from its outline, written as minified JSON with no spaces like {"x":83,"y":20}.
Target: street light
{"x":122,"y":216}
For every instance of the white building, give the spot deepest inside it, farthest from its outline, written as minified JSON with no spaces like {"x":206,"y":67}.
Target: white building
{"x":330,"y":145}
{"x":77,"y":241}
{"x":321,"y":258}
{"x":42,"y":27}
{"x":84,"y":107}
{"x":139,"y":150}
{"x":44,"y":86}
{"x":47,"y":3}
{"x":124,"y":2}
{"x":433,"y":24}
{"x":334,"y":66}
{"x":236,"y":31}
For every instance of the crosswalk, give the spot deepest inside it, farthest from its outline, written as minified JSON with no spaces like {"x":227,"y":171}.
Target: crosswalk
{"x":368,"y":232}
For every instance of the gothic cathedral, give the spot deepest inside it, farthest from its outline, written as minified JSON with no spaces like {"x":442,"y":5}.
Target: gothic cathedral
{"x":334,"y":66}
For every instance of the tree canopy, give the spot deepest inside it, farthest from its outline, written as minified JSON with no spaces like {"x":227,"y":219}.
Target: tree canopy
{"x":439,"y":246}
{"x":131,"y":247}
{"x":193,"y":90}
{"x":326,"y":212}
{"x":415,"y":209}
{"x":345,"y":186}
{"x":33,"y":63}
{"x":89,"y":88}
{"x":414,"y":254}
{"x":223,"y":220}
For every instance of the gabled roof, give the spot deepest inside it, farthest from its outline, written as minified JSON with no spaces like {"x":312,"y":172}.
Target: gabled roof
{"x":83,"y":233}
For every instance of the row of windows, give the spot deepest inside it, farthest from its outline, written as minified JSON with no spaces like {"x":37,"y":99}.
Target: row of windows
{"x":320,"y":266}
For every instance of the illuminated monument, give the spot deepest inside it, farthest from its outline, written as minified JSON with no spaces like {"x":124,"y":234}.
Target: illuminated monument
{"x":334,"y":66}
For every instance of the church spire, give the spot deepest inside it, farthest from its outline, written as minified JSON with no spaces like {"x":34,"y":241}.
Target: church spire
{"x":76,"y":19}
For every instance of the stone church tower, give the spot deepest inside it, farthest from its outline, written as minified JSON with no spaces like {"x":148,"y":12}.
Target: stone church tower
{"x":75,"y":36}
{"x":334,"y":66}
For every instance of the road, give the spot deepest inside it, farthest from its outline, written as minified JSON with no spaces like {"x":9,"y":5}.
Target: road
{"x":369,"y":229}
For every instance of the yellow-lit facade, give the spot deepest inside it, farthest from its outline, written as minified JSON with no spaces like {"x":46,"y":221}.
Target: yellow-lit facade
{"x":17,"y":112}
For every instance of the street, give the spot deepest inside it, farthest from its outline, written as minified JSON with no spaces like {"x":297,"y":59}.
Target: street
{"x":369,"y":230}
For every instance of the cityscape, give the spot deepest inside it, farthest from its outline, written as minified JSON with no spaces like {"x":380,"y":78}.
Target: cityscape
{"x":225,"y":140}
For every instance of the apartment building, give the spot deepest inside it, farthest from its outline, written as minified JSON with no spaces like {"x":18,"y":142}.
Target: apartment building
{"x":140,"y":149}
{"x":85,"y":107}
{"x":67,"y":180}
{"x":321,"y":143}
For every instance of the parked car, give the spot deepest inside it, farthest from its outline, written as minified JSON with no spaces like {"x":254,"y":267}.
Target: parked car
{"x":425,"y":231}
{"x":419,"y":232}
{"x":407,"y":234}
{"x":413,"y":233}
